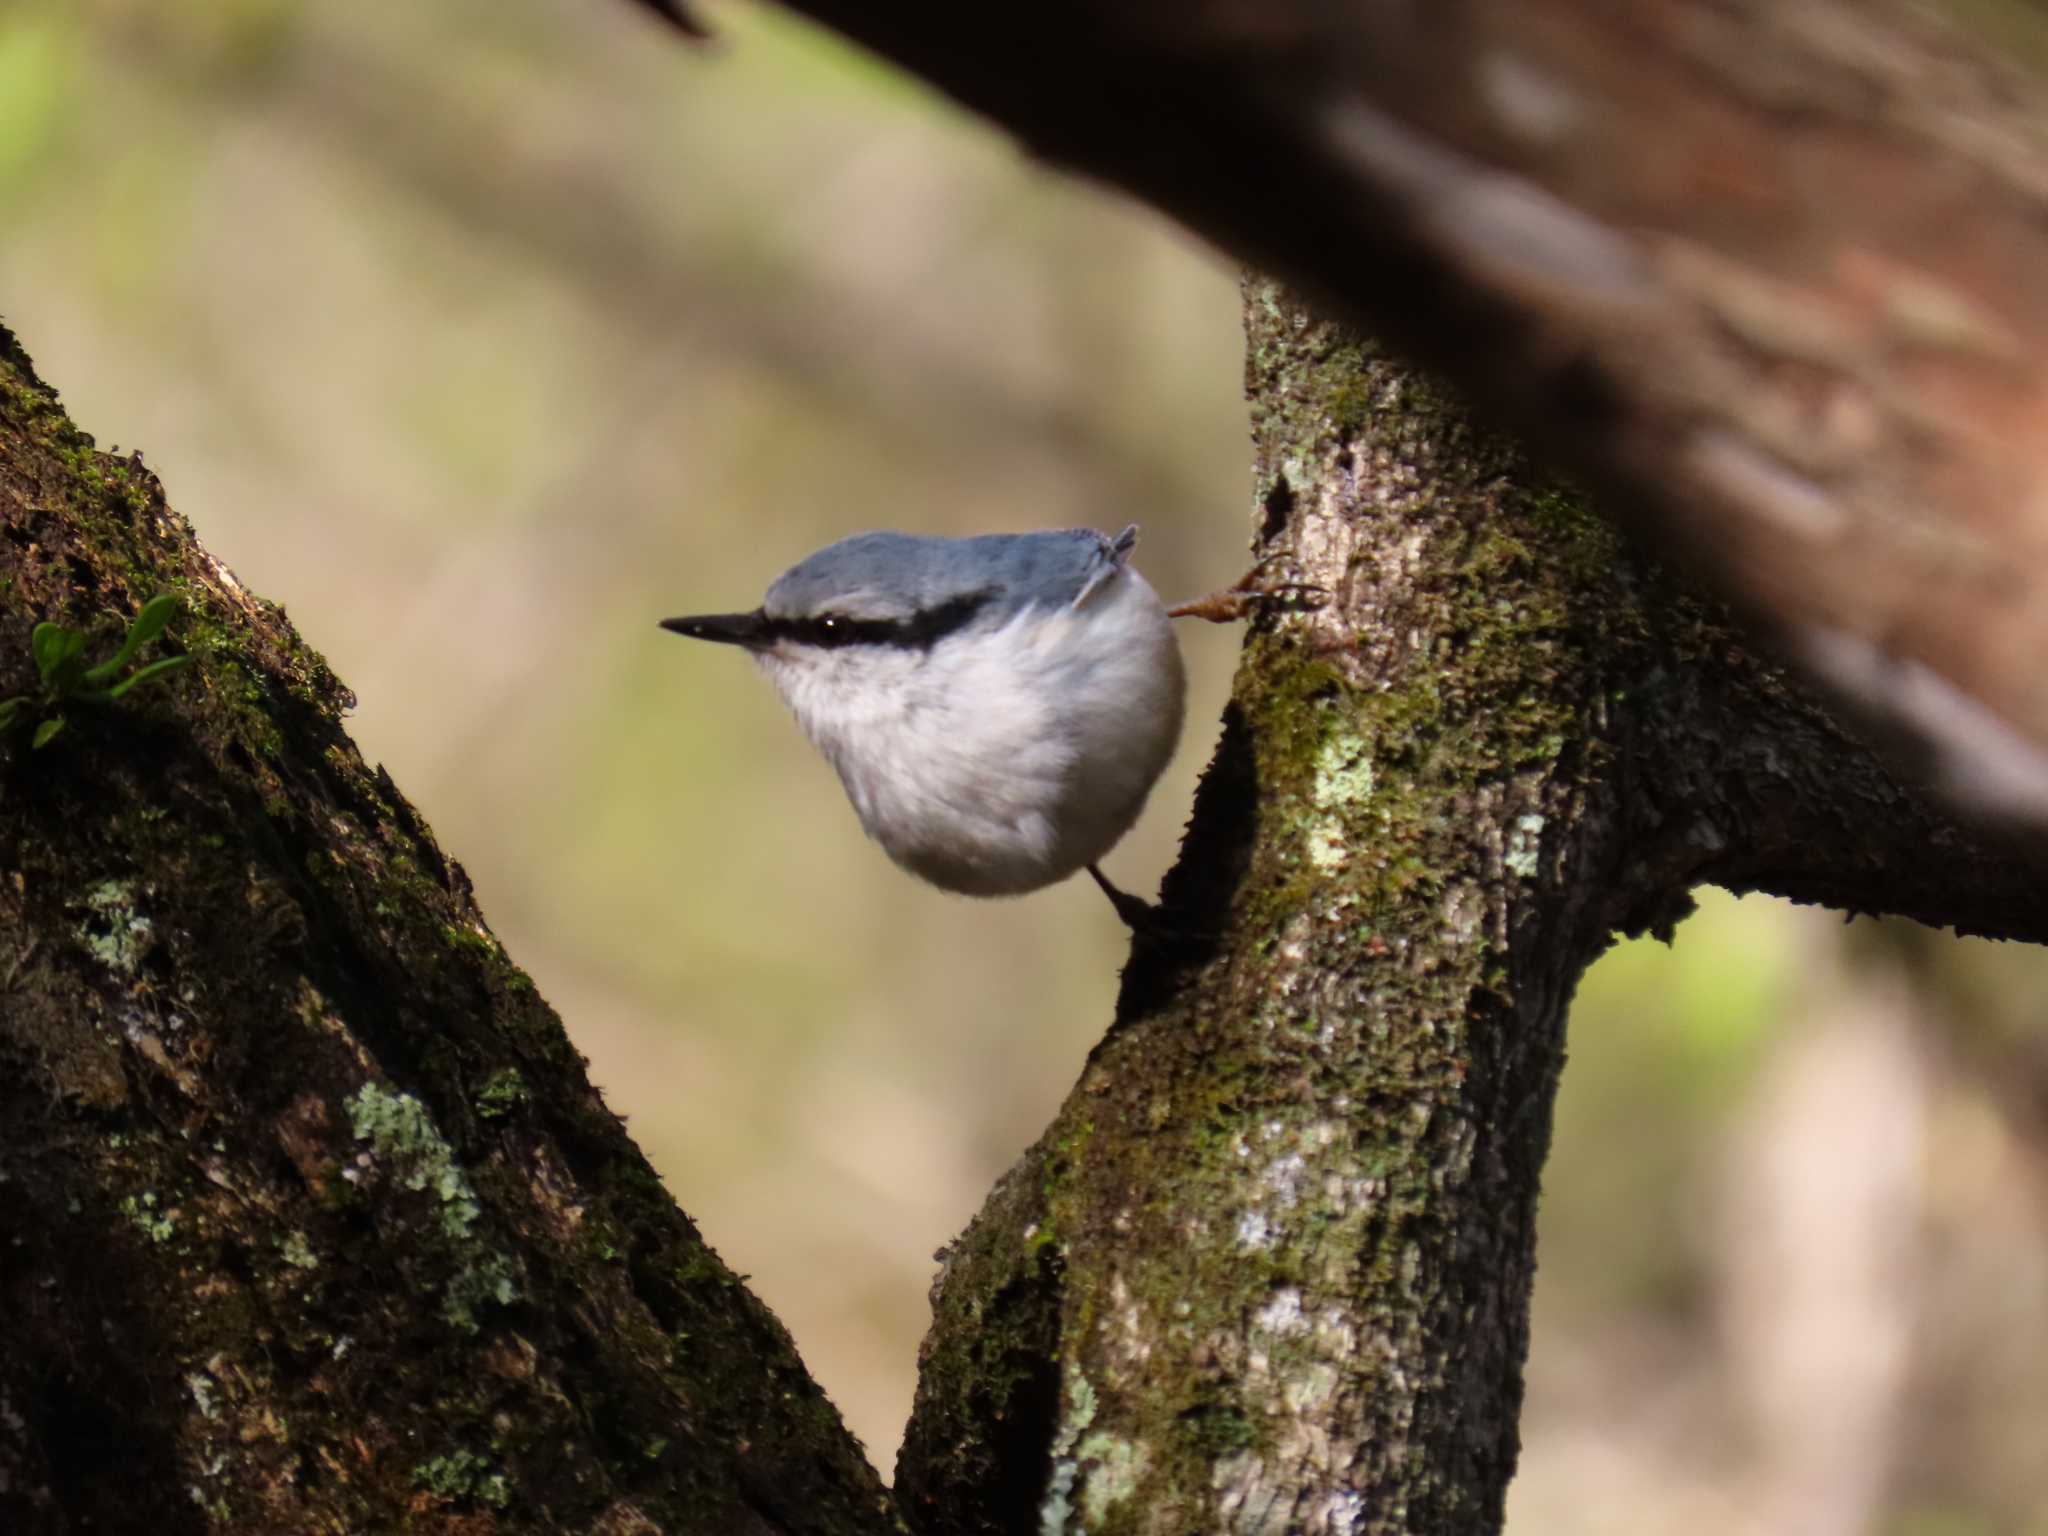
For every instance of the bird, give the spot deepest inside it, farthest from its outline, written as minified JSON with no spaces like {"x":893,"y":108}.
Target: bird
{"x":997,"y":707}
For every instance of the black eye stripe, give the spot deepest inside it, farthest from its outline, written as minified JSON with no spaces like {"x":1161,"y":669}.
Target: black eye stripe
{"x":917,"y":632}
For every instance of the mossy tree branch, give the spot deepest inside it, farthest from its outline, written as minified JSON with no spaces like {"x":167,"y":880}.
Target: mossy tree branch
{"x":309,"y":1217}
{"x":1270,"y":1268}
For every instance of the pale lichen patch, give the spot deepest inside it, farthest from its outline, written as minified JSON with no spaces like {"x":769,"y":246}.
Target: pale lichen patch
{"x":1126,"y":1334}
{"x":1111,"y":1468}
{"x":1464,"y":913}
{"x":116,"y":935}
{"x":1254,"y":1500}
{"x":398,"y":1128}
{"x":1343,"y":779}
{"x":1092,"y":1471}
{"x":297,"y":1252}
{"x":1282,"y":1315}
{"x":205,"y":1397}
{"x":402,"y":1135}
{"x":1525,"y":842}
{"x":1058,"y":1506}
{"x":1308,"y":1389}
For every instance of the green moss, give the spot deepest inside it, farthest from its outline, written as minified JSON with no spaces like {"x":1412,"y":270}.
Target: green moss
{"x":504,"y":1091}
{"x":481,"y":945}
{"x":701,"y":1267}
{"x":463,"y":1475}
{"x":1215,"y":1427}
{"x":147,"y":1219}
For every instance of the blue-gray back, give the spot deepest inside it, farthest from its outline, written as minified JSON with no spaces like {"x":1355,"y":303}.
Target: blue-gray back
{"x":893,"y":575}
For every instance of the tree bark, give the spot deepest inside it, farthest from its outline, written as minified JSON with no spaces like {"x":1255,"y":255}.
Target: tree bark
{"x":313,"y":1222}
{"x":309,"y":1217}
{"x":1269,"y":1270}
{"x":1763,"y":269}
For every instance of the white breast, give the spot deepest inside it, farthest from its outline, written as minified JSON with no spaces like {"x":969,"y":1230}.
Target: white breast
{"x":1004,"y":758}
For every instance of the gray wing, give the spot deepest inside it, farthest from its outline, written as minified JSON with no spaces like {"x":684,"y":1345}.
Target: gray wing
{"x":1109,"y":557}
{"x":887,"y":573}
{"x":1060,"y":568}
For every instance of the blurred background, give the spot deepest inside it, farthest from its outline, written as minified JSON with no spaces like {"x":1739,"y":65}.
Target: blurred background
{"x":483,"y":335}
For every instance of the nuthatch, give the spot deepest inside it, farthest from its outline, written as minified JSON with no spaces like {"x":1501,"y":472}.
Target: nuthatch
{"x":998,"y":708}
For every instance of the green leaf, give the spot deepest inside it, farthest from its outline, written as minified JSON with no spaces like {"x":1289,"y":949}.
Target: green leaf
{"x":69,"y":671}
{"x":57,"y":650}
{"x":143,"y":674}
{"x":47,"y":732}
{"x":149,"y":623}
{"x":10,"y":712}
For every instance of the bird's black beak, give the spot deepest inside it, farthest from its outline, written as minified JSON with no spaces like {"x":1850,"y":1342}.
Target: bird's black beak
{"x":747,"y":629}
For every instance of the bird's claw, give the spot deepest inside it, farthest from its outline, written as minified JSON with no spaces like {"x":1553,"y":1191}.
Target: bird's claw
{"x":1145,"y":919}
{"x":1237,"y":600}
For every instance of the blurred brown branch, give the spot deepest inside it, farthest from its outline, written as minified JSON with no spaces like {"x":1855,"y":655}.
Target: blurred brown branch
{"x":677,"y":15}
{"x":1764,"y":269}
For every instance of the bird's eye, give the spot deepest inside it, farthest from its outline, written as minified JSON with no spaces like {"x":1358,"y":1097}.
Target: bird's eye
{"x":829,"y":624}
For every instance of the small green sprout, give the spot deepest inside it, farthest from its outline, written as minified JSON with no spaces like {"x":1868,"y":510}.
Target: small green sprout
{"x":60,"y":659}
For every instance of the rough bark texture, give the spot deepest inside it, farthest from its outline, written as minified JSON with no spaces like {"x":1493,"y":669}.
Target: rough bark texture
{"x":1269,"y":1271}
{"x":313,"y":1223}
{"x":309,"y":1218}
{"x":1765,"y":268}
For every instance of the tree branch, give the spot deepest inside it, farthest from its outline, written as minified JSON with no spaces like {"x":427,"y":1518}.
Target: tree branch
{"x":310,"y":1219}
{"x":1270,"y":1268}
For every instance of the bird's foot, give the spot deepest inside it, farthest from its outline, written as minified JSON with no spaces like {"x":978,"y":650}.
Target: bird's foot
{"x":1145,"y":919}
{"x":1139,"y":915}
{"x":1248,"y":592}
